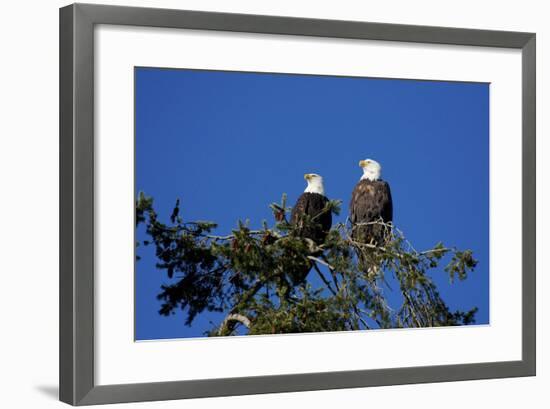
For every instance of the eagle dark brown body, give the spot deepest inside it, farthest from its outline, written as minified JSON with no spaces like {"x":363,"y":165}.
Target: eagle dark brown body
{"x":371,"y":201}
{"x":312,"y":205}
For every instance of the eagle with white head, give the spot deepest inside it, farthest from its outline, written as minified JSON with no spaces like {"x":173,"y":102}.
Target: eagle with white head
{"x":371,"y":202}
{"x":312,"y":204}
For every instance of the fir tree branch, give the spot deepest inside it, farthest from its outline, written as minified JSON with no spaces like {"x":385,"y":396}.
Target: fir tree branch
{"x":225,"y":273}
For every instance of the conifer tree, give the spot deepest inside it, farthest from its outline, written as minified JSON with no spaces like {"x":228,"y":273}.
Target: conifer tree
{"x":256,"y":277}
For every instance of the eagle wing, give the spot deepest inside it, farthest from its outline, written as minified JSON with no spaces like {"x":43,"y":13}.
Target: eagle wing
{"x":312,"y":205}
{"x":370,"y":201}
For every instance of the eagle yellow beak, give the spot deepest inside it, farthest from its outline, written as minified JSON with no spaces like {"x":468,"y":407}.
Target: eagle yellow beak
{"x":363,"y":163}
{"x":307,"y":176}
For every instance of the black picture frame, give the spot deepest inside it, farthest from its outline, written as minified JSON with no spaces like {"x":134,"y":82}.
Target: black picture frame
{"x":77,"y":385}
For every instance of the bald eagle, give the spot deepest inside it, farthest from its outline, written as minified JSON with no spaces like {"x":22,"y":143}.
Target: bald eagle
{"x":311,"y":220}
{"x":309,"y":215}
{"x":370,"y":202}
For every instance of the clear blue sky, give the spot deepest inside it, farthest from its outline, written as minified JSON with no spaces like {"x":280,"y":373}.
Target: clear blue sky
{"x":228,"y":144}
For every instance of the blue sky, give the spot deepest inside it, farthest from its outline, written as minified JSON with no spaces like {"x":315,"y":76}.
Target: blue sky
{"x":229,"y":143}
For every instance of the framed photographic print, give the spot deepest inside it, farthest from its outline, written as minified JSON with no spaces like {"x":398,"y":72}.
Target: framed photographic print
{"x":234,"y":184}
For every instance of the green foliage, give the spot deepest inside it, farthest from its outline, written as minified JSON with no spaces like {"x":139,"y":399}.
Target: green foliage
{"x":258,"y":278}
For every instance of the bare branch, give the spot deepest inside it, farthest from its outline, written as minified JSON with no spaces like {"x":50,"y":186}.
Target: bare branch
{"x":318,"y":260}
{"x":327,"y":283}
{"x":233,"y":318}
